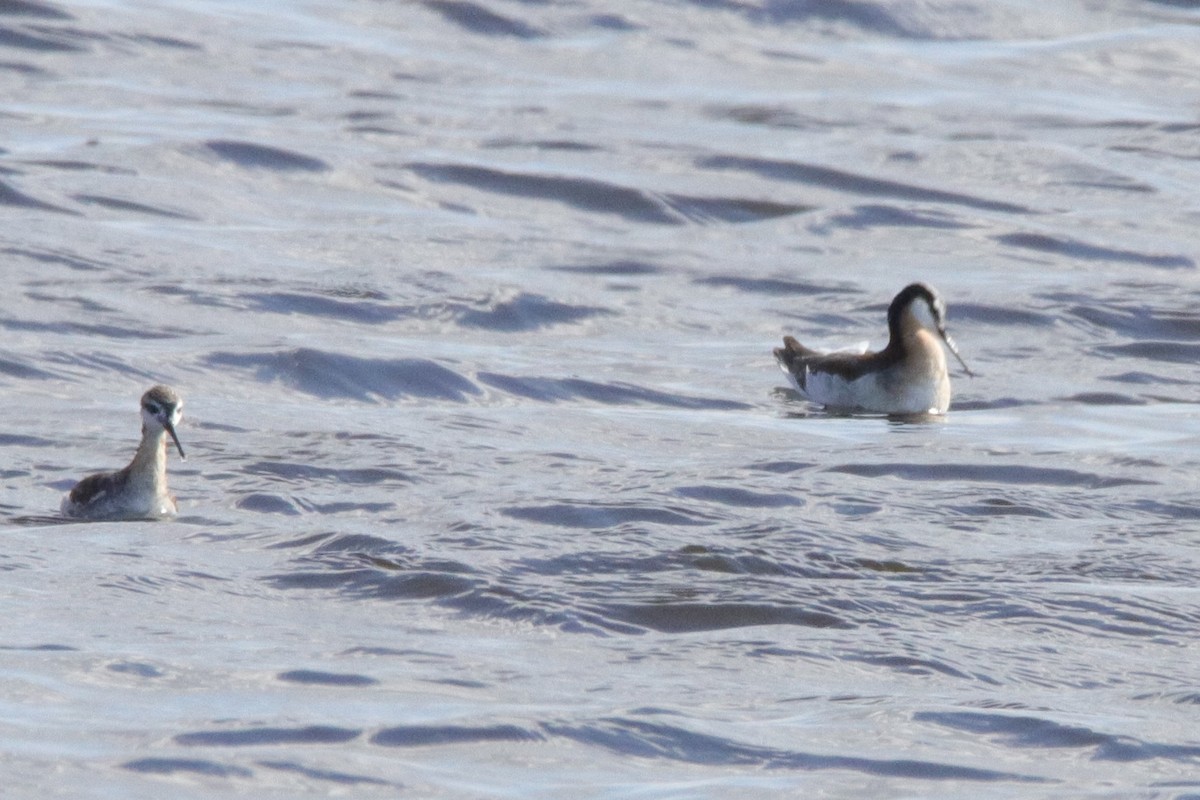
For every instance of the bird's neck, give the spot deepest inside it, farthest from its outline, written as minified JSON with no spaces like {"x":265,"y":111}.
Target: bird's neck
{"x":150,"y":461}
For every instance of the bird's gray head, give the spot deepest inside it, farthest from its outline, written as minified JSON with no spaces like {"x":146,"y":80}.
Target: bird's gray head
{"x":162,"y":407}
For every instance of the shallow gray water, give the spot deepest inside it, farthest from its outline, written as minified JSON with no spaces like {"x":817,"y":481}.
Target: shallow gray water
{"x":493,"y":488}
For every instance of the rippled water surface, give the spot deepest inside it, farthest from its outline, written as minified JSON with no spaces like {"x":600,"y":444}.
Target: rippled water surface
{"x":493,"y":488}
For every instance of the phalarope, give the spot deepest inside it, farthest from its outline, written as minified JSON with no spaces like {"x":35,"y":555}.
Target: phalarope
{"x":906,"y":377}
{"x":139,"y":491}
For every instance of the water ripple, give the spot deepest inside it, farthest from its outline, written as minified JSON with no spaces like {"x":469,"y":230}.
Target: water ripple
{"x":474,"y":18}
{"x":641,"y":739}
{"x":312,"y":677}
{"x":551,"y":390}
{"x":595,"y":196}
{"x":989,"y":473}
{"x":363,"y":311}
{"x":193,"y":766}
{"x":251,"y":155}
{"x":603,"y":515}
{"x":426,"y":735}
{"x":841,"y":180}
{"x":244,"y":737}
{"x":330,"y":375}
{"x":1036,"y":732}
{"x":1061,"y":245}
{"x":12,"y":197}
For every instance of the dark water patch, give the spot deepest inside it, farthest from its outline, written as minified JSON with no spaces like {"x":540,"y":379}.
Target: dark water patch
{"x":909,"y":665}
{"x":48,"y":257}
{"x":1117,"y":616}
{"x":564,"y":145}
{"x":137,"y":669}
{"x":1169,"y":511}
{"x":613,"y":22}
{"x":365,"y":567}
{"x":326,"y":775}
{"x":48,"y":42}
{"x":474,"y":18}
{"x":1146,"y":379}
{"x":170,"y":42}
{"x":410,"y":584}
{"x":783,"y":467}
{"x":880,"y":216}
{"x":1072,"y":248}
{"x":707,"y":559}
{"x":526,"y":312}
{"x":771,"y":116}
{"x":1141,"y":322}
{"x":42,"y":648}
{"x":351,"y":543}
{"x":305,"y":541}
{"x":383,"y":130}
{"x":988,"y":473}
{"x":773,"y":286}
{"x":250,"y":155}
{"x":116,"y":204}
{"x":1171,"y":352}
{"x":1185,"y":698}
{"x":367,"y":312}
{"x":1103,"y":399}
{"x":553,"y":390}
{"x":990,"y":405}
{"x":616,"y":269}
{"x":311,"y":734}
{"x":1038,"y":733}
{"x":260,"y":109}
{"x":385,"y":583}
{"x":263,"y":503}
{"x":331,"y":375}
{"x":733,"y":496}
{"x":191,"y":766}
{"x":11,"y":197}
{"x":29,"y":8}
{"x":20,"y":68}
{"x":867,"y":17}
{"x":1001,"y":315}
{"x":346,"y":507}
{"x":603,"y":515}
{"x":595,"y":564}
{"x":97,"y":331}
{"x":733,"y":209}
{"x":581,"y":193}
{"x":459,"y":683}
{"x":429,"y":735}
{"x":1113,"y":183}
{"x":22,"y":371}
{"x":889,"y":567}
{"x":86,"y":305}
{"x":81,"y":166}
{"x":1002,"y":507}
{"x":840,"y":180}
{"x":877,"y":19}
{"x":680,"y":617}
{"x":304,"y":474}
{"x":652,"y":740}
{"x":1013,"y":730}
{"x":310,"y":677}
{"x":596,"y":196}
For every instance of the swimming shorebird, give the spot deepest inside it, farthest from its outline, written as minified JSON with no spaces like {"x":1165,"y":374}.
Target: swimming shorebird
{"x":906,"y":377}
{"x":139,"y":491}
